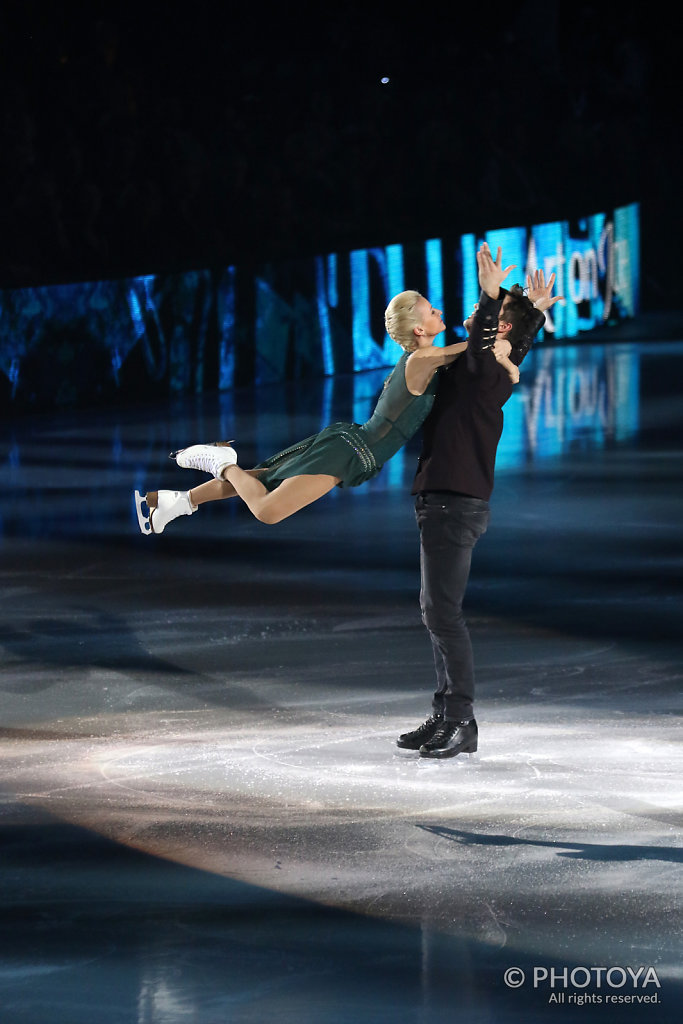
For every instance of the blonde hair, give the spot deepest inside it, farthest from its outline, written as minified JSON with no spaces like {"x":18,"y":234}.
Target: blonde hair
{"x":400,"y":318}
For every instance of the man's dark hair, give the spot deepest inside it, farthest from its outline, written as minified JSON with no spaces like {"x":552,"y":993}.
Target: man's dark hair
{"x":526,"y":322}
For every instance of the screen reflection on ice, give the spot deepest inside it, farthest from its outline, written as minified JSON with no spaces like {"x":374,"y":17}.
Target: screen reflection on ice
{"x":571,"y":397}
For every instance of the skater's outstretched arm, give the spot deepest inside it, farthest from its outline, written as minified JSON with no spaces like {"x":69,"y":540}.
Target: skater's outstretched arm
{"x":422,"y":364}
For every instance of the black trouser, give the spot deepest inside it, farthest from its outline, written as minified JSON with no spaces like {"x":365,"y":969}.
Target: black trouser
{"x":450,"y":525}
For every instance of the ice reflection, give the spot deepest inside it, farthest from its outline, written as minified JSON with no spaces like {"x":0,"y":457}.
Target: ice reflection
{"x":571,"y":397}
{"x":161,"y":998}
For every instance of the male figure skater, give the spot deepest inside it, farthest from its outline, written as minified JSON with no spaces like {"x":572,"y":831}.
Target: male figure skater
{"x":453,"y":484}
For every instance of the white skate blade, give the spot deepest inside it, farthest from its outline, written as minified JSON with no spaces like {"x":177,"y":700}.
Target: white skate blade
{"x":143,"y":520}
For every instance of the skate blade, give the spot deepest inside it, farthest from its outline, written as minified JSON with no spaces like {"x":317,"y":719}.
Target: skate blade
{"x":143,"y":518}
{"x":405,"y":754}
{"x":209,"y":444}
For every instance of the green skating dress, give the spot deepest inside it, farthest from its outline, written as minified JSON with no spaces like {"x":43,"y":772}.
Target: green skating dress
{"x":356,"y":452}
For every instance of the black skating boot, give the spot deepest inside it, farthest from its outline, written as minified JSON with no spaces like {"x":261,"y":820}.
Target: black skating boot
{"x":414,"y":740}
{"x":451,"y":739}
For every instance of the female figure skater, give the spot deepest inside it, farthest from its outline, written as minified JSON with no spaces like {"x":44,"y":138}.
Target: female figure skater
{"x":343,"y":454}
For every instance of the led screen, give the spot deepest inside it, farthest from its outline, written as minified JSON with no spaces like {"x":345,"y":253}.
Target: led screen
{"x":165,"y":335}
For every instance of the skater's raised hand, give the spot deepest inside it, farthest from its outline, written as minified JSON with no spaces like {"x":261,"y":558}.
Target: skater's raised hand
{"x":491,"y":272}
{"x":539,"y":292}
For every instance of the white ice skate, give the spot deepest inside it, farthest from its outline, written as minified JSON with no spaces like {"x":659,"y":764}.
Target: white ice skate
{"x":209,"y":458}
{"x":162,"y":507}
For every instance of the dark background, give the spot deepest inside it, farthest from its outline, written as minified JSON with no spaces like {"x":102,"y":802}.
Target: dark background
{"x":150,"y":138}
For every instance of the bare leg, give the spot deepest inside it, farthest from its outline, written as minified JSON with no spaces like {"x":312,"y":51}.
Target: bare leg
{"x":216,"y":490}
{"x":292,"y":494}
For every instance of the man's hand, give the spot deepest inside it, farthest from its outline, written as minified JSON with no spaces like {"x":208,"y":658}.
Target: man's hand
{"x":502,"y":348}
{"x":501,"y":351}
{"x":539,"y":293}
{"x":491,"y":272}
